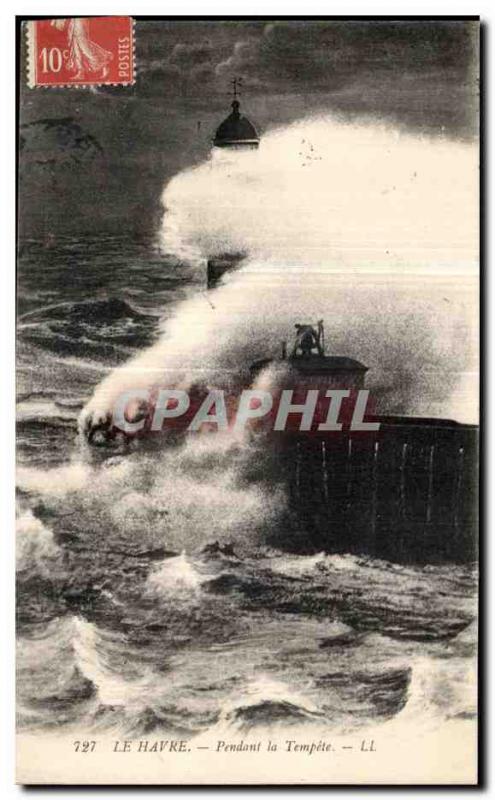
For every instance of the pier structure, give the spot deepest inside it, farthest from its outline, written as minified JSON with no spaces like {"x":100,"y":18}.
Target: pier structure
{"x":406,"y":492}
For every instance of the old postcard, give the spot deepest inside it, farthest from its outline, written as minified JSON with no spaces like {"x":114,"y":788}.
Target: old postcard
{"x":247,"y":368}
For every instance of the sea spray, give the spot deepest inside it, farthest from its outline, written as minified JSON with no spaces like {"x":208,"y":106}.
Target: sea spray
{"x":36,"y":551}
{"x":179,"y":496}
{"x":343,"y":198}
{"x":176,"y":577}
{"x":330,"y":218}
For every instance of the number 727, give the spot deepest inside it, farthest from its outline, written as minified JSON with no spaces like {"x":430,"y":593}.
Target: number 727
{"x":85,"y":746}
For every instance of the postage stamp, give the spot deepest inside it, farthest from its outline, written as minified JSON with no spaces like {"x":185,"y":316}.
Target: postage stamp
{"x":90,"y":51}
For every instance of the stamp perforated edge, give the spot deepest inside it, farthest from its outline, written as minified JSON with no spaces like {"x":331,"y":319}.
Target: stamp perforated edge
{"x":30,"y":32}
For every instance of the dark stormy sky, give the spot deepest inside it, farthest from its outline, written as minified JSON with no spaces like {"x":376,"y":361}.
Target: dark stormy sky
{"x":419,"y":75}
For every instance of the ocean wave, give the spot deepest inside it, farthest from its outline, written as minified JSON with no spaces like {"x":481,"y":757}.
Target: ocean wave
{"x":177,"y":576}
{"x":103,"y":328}
{"x":46,"y":410}
{"x":270,"y":712}
{"x":56,"y":482}
{"x":36,"y":550}
{"x":442,"y":687}
{"x":52,"y":690}
{"x":112,"y":688}
{"x":100,"y":311}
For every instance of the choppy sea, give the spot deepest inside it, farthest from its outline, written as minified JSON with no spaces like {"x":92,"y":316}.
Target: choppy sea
{"x":130,"y":618}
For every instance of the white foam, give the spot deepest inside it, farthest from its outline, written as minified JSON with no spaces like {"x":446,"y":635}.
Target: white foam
{"x":335,"y":196}
{"x":177,"y":576}
{"x":372,"y":230}
{"x":57,"y":482}
{"x":35,"y":546}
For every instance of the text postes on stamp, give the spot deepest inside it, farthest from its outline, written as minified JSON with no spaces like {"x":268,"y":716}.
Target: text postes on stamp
{"x":87,"y":51}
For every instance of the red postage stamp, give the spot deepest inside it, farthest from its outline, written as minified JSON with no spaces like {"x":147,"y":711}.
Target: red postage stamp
{"x":87,"y":51}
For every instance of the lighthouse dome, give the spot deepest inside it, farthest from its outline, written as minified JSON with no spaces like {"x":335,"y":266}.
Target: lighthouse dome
{"x":236,"y":131}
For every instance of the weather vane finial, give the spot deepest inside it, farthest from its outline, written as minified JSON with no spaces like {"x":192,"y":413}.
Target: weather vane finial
{"x":237,"y":85}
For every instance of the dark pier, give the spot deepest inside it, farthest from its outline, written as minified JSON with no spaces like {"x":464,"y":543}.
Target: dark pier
{"x":406,"y":493}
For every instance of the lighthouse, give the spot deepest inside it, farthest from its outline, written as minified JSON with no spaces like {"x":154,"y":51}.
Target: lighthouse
{"x":236,"y":132}
{"x":310,"y":365}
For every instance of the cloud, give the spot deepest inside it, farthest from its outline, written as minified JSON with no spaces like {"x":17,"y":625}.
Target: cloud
{"x":159,"y":80}
{"x":191,"y":55}
{"x":320,"y":52}
{"x":202,"y":74}
{"x":245,"y":55}
{"x":188,"y":68}
{"x":418,"y":73}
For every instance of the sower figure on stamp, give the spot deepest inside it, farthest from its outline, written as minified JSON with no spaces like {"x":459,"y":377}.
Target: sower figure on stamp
{"x":84,"y":54}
